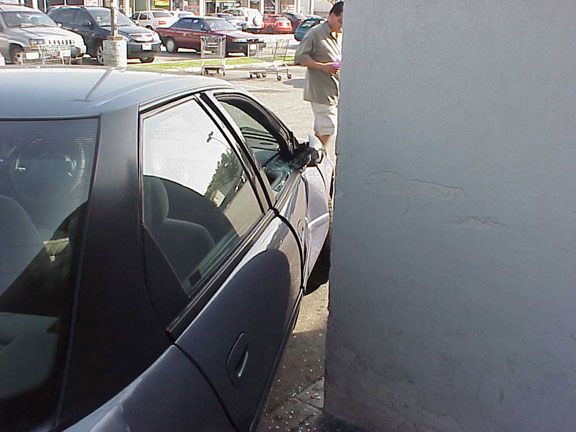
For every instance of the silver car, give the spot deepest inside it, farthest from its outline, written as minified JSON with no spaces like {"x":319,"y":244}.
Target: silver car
{"x":30,"y":35}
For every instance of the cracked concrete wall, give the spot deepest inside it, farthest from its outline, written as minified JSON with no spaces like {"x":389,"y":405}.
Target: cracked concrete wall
{"x":453,"y":285}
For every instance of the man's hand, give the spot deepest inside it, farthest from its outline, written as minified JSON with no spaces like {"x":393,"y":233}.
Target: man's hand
{"x":327,"y":68}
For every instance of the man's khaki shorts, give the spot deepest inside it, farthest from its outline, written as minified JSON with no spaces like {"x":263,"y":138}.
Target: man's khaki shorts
{"x":325,"y":119}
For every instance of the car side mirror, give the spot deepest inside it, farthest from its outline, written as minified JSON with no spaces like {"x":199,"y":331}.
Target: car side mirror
{"x":317,"y":150}
{"x":309,"y":154}
{"x":59,"y":24}
{"x":87,"y":23}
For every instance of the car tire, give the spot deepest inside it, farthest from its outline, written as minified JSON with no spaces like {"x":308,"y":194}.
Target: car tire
{"x":100,"y":53}
{"x":17,"y":55}
{"x":171,"y":46}
{"x":76,"y":61}
{"x":147,"y":59}
{"x":269,"y":29}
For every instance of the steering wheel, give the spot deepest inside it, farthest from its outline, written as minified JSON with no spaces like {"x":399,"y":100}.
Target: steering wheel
{"x":41,"y":170}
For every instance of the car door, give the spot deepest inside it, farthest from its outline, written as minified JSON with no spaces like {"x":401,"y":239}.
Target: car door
{"x":84,"y":24}
{"x":197,"y":30}
{"x":180,"y":31}
{"x":224,"y":270}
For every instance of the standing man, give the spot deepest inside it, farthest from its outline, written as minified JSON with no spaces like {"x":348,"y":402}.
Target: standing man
{"x":320,"y":52}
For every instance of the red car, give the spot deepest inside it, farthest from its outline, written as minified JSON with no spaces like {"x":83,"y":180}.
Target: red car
{"x":276,"y":24}
{"x":186,"y":33}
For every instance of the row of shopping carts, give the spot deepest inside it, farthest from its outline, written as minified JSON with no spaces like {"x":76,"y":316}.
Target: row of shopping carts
{"x":269,"y":59}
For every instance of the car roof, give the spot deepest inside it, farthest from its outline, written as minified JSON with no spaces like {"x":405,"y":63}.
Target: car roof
{"x":56,"y":92}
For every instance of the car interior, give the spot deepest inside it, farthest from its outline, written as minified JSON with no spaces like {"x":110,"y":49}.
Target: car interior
{"x":44,"y":178}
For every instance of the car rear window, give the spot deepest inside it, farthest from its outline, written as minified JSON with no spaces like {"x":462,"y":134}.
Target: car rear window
{"x":45,"y":175}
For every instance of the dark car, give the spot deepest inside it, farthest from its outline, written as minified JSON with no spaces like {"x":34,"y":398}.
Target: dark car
{"x":93,"y":24}
{"x":306,"y":25}
{"x":187,"y":33}
{"x":295,"y":19}
{"x":157,"y":234}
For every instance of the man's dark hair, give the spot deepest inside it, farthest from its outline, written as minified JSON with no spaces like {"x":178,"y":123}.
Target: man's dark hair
{"x":338,"y":8}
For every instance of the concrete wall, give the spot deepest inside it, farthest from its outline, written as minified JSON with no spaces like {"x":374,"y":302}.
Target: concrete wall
{"x":453,"y":291}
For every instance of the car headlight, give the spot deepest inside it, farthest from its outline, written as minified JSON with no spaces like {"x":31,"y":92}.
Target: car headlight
{"x":36,"y":42}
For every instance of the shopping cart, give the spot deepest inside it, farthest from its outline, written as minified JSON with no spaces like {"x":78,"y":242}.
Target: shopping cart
{"x":273,"y":59}
{"x":45,"y":54}
{"x":213,"y":48}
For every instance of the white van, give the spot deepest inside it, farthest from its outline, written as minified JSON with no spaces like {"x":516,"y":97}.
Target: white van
{"x":251,"y":18}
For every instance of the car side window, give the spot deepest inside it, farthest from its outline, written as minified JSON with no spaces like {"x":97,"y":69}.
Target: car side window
{"x":262,"y":136}
{"x":198,"y":202}
{"x":196,"y":24}
{"x":81,"y":18}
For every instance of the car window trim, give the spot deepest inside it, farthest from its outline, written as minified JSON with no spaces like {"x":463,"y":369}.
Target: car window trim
{"x":206,"y":286}
{"x":246,"y":155}
{"x":283,"y":138}
{"x":212,"y":99}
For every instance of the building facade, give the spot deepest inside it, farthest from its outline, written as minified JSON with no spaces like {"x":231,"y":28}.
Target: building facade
{"x":452,"y":285}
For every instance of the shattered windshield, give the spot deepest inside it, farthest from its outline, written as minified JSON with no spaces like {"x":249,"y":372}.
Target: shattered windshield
{"x":45,"y":175}
{"x":29,"y":18}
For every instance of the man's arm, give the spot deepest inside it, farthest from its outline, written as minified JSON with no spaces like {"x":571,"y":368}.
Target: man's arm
{"x":327,"y":68}
{"x":303,"y":57}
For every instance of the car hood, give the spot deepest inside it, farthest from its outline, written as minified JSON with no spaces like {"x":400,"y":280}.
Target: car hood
{"x":46,"y":33}
{"x":131,"y":30}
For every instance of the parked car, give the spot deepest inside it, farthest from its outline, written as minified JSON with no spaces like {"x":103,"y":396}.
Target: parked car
{"x":154,"y":18}
{"x":93,"y":24}
{"x":29,"y":34}
{"x":158,"y":232}
{"x":306,"y":25}
{"x":276,"y":24}
{"x":186,"y":33}
{"x":234,"y":20}
{"x":295,"y":19}
{"x":252,"y":18}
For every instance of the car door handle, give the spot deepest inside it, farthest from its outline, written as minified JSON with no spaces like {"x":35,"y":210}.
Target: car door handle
{"x":238,"y":359}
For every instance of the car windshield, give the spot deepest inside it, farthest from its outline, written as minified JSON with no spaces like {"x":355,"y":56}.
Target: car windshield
{"x":219,"y":24}
{"x":45,"y":176}
{"x":29,"y":18}
{"x":103,"y":17}
{"x":162,"y":14}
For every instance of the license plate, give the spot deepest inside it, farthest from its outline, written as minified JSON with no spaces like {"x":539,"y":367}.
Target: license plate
{"x":32,"y":55}
{"x":66,"y":53}
{"x":147,"y":47}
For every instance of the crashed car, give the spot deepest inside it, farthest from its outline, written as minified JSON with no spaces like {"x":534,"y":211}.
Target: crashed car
{"x":157,"y":235}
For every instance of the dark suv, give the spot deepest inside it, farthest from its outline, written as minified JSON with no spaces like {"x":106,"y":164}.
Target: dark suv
{"x":93,"y":23}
